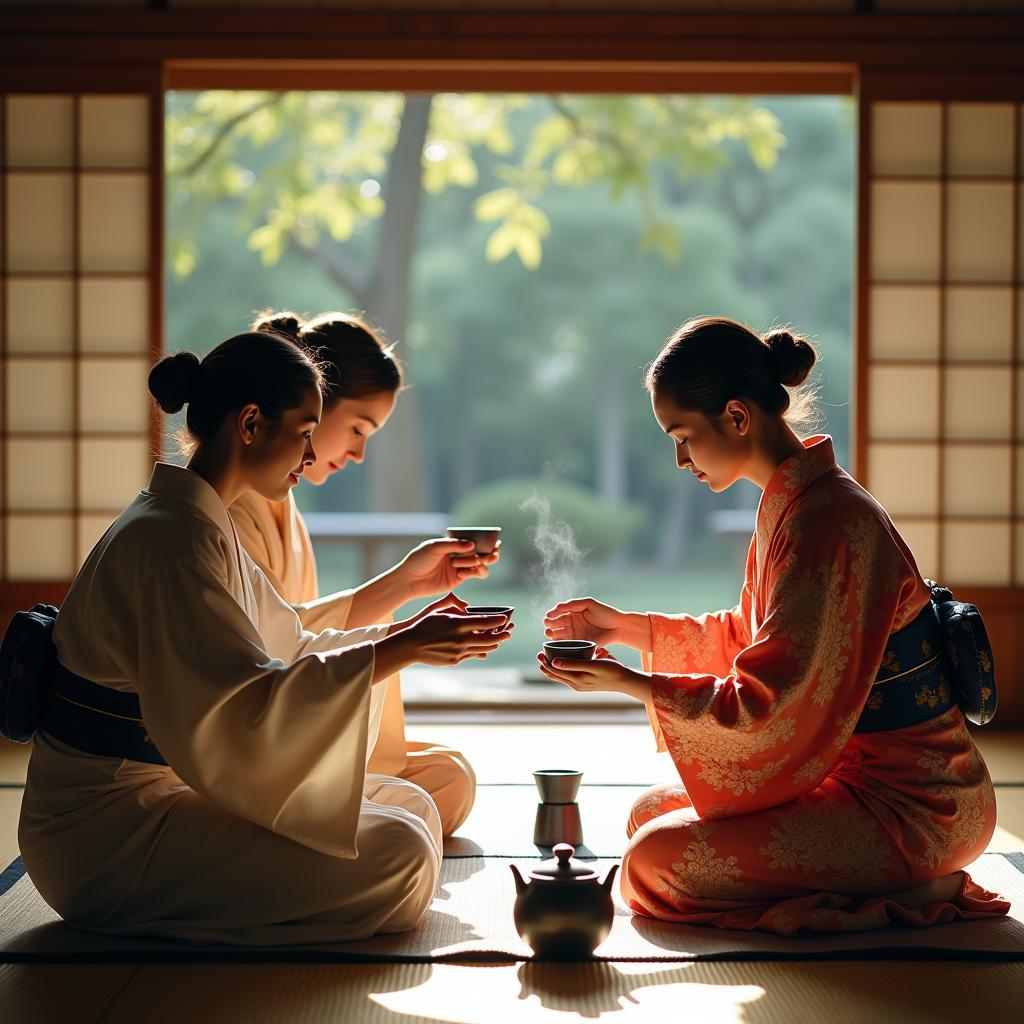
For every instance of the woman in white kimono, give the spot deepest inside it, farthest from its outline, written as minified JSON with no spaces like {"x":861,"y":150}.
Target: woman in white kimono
{"x":255,"y":821}
{"x":362,"y":383}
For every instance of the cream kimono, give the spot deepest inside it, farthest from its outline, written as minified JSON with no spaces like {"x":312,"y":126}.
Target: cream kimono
{"x":264,"y":827}
{"x":277,"y":540}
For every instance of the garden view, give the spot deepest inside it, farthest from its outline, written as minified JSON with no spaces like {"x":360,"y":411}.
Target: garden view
{"x":528,"y":255}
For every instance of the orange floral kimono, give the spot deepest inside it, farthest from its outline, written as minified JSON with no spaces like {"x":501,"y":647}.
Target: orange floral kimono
{"x":786,"y":819}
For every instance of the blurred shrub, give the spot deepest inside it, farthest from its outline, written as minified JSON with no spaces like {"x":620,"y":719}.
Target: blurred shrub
{"x":532,"y":510}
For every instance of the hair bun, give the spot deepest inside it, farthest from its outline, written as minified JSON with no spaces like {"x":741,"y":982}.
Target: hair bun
{"x":792,"y":356}
{"x":283,"y":322}
{"x":173,"y":381}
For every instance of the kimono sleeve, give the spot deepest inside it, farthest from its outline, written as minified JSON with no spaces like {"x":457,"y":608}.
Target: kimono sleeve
{"x":773,"y":726}
{"x":280,"y":743}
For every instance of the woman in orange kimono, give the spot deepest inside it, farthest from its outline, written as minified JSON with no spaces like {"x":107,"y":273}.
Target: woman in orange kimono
{"x":802,"y":803}
{"x":363,"y":380}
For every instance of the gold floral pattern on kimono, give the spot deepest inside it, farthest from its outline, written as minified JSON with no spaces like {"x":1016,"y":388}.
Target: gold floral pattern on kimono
{"x":702,"y":872}
{"x":832,"y":838}
{"x":793,"y":650}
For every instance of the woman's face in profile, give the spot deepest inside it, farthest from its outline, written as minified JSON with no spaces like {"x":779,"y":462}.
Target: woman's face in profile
{"x":279,"y":454}
{"x":346,"y":426}
{"x":709,"y":447}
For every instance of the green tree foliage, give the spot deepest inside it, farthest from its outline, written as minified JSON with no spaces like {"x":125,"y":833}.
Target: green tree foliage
{"x":514,"y":371}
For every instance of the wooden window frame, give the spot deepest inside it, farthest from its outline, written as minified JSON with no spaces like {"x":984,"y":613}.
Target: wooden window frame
{"x":947,"y":58}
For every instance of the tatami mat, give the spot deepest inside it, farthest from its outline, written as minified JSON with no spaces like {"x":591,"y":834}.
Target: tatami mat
{"x":701,"y":993}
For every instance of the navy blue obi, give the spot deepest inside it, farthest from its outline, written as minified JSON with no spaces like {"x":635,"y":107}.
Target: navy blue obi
{"x":96,"y":719}
{"x":915,"y":680}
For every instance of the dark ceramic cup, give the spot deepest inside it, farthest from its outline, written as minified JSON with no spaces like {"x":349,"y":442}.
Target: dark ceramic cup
{"x":492,"y":609}
{"x":484,"y":537}
{"x":577,"y":650}
{"x":557,"y":785}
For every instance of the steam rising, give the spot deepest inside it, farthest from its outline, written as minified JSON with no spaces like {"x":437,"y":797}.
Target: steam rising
{"x":559,"y":573}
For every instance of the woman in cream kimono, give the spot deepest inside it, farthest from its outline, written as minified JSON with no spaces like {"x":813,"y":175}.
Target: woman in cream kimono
{"x":791,"y":812}
{"x":362,"y":382}
{"x":262,"y":826}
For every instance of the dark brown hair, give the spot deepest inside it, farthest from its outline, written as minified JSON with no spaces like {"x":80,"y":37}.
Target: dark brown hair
{"x":354,"y":358}
{"x":711,"y":359}
{"x":266,"y":368}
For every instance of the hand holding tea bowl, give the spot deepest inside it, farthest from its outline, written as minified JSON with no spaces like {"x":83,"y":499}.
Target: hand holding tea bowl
{"x":492,"y":609}
{"x":593,"y":672}
{"x":443,"y":563}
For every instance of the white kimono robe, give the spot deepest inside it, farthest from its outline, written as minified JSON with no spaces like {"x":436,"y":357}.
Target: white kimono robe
{"x":275,"y":537}
{"x":264,"y":827}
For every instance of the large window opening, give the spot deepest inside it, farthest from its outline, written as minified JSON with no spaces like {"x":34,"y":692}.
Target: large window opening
{"x":528,"y":254}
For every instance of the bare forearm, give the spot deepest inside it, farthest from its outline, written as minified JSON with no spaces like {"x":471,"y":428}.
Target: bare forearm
{"x":391,"y":655}
{"x":635,"y":631}
{"x":375,"y":600}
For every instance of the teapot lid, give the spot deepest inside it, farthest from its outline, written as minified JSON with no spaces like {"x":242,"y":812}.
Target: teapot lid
{"x":562,"y":868}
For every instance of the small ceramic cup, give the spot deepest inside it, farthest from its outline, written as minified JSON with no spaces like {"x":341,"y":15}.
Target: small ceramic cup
{"x":492,"y":609}
{"x":577,"y":650}
{"x":484,"y":537}
{"x":557,"y":785}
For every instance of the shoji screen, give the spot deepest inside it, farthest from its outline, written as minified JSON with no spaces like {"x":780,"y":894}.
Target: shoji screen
{"x":944,"y":389}
{"x":77,"y":322}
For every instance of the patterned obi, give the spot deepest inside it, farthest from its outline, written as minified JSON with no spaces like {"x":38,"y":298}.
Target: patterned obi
{"x":915,"y":681}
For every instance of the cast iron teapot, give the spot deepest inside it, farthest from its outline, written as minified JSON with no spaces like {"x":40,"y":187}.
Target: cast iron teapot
{"x":563,"y":912}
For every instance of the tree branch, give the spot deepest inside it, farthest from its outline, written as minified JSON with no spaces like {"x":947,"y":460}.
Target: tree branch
{"x":222,"y":133}
{"x":345,"y":271}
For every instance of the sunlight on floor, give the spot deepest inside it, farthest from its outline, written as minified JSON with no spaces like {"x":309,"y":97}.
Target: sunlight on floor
{"x":543,"y":993}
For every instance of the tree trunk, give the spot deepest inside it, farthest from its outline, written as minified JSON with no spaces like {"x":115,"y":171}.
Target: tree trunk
{"x":466,"y":447}
{"x":397,"y":477}
{"x":611,"y":434}
{"x":676,"y":525}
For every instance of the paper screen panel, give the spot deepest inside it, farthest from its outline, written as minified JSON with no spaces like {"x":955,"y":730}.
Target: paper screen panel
{"x":39,"y":224}
{"x":1019,"y":576}
{"x":905,"y":231}
{"x":977,"y":403}
{"x":980,"y":139}
{"x":976,"y":553}
{"x":113,"y":395}
{"x":40,"y":314}
{"x":979,"y":231}
{"x":979,"y":323}
{"x":39,"y":131}
{"x":1020,"y":481}
{"x":39,"y":547}
{"x":112,"y":472}
{"x":904,"y":322}
{"x":906,"y":138}
{"x":114,"y":315}
{"x":114,"y":223}
{"x":905,"y":478}
{"x":39,"y":474}
{"x":903,"y":402}
{"x":114,"y":131}
{"x":922,"y":537}
{"x":39,"y":396}
{"x":976,"y":480}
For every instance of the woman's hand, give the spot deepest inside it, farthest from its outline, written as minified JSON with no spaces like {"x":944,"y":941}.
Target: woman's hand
{"x":436,"y":566}
{"x":444,"y":639}
{"x":583,"y":619}
{"x":603,"y":675}
{"x":443,"y":604}
{"x":586,"y":619}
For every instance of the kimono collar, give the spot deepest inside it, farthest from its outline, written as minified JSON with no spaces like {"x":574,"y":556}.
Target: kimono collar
{"x":185,"y":485}
{"x":791,"y":479}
